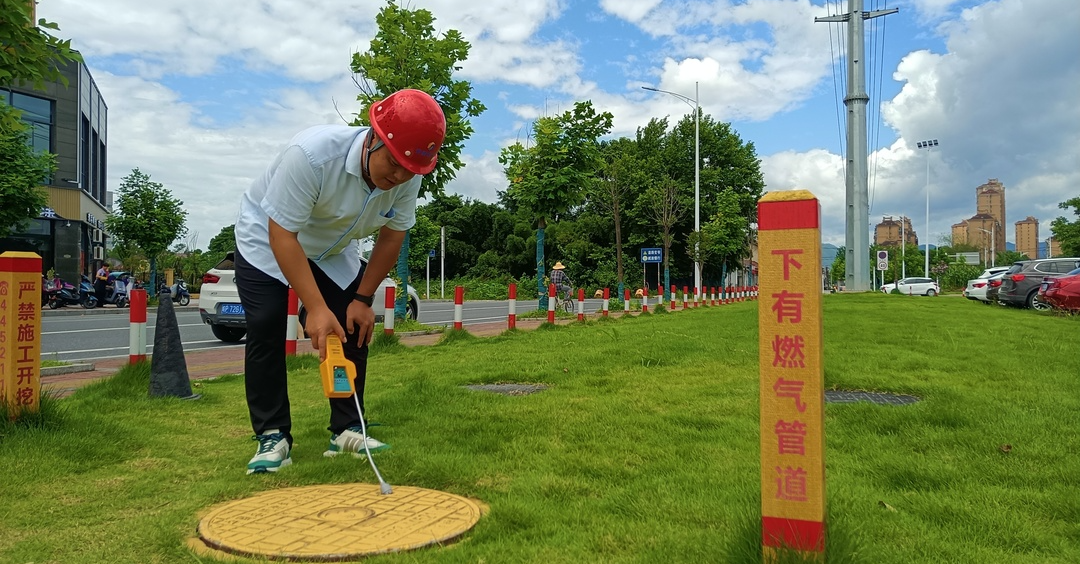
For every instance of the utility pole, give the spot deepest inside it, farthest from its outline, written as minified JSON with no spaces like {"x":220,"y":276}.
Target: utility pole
{"x":857,"y":263}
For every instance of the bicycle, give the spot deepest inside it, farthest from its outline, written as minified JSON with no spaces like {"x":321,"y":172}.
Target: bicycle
{"x":565,"y":302}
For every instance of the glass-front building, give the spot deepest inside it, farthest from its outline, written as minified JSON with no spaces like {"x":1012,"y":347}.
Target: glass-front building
{"x":69,"y":121}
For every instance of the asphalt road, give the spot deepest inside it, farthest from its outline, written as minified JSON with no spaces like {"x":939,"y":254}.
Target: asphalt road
{"x":73,"y":334}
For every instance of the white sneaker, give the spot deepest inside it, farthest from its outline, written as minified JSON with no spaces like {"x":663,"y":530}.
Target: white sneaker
{"x":352,"y":441}
{"x":272,"y":454}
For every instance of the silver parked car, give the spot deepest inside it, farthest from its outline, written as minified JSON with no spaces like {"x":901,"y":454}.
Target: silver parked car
{"x":977,"y":287}
{"x":220,"y":307}
{"x":915,"y":286}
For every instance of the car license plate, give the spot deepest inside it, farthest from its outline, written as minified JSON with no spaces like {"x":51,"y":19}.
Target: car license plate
{"x":232,"y":309}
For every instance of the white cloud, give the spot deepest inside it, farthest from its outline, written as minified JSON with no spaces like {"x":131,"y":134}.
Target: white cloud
{"x":629,"y":10}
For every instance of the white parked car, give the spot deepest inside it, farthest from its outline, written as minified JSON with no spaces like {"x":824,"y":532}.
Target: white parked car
{"x":915,"y":286}
{"x":220,"y":308}
{"x":976,"y":288}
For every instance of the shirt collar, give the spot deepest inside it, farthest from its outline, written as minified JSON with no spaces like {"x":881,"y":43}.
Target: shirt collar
{"x":352,"y":158}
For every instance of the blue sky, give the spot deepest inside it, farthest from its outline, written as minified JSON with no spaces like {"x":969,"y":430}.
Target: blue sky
{"x":202,"y":94}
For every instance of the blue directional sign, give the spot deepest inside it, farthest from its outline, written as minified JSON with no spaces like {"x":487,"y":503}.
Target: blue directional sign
{"x":652,"y":255}
{"x":431,"y":253}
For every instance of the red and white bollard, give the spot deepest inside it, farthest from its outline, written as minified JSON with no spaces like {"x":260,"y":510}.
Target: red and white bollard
{"x":607,"y":296}
{"x":626,"y":300}
{"x":581,"y":304}
{"x":685,"y":297}
{"x":551,"y":303}
{"x":292,"y":322}
{"x":388,"y":312}
{"x":659,"y":296}
{"x":674,"y":299}
{"x":459,"y":299}
{"x":511,"y":320}
{"x":712,"y":295}
{"x":695,"y":297}
{"x":137,"y":335}
{"x":645,"y":300}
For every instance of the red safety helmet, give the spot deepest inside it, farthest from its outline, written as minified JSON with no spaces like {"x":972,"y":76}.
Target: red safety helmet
{"x":411,"y":124}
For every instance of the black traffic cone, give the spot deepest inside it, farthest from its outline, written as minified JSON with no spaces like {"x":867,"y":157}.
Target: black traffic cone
{"x":168,"y":367}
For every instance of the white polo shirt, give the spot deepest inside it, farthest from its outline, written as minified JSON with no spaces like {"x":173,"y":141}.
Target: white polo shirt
{"x":314,"y":188}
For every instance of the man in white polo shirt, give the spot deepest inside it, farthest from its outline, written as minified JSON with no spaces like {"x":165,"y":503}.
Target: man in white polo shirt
{"x":299,"y":226}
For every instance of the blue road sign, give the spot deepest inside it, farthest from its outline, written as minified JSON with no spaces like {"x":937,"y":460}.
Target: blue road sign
{"x":652,"y":255}
{"x":431,"y":253}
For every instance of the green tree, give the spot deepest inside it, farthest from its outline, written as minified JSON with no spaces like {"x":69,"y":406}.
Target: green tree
{"x":406,"y":53}
{"x":724,"y":235}
{"x":1006,"y":258}
{"x":1067,"y":233}
{"x":21,"y":173}
{"x":620,"y":173}
{"x":148,"y":216}
{"x":224,"y":241}
{"x":665,"y":207}
{"x":554,"y":174}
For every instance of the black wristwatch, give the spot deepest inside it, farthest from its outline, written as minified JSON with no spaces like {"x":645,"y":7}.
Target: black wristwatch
{"x":366,"y":300}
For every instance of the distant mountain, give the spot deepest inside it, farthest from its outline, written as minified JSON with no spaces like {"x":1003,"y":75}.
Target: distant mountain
{"x":828,"y":254}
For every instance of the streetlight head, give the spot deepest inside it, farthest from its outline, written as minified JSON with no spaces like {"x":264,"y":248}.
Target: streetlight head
{"x":650,"y":88}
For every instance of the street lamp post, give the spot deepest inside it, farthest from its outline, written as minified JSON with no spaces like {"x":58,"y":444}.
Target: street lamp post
{"x":993,"y":243}
{"x":926,"y":245}
{"x":697,"y":176}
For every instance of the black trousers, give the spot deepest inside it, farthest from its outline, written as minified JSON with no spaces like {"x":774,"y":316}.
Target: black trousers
{"x":265,"y":300}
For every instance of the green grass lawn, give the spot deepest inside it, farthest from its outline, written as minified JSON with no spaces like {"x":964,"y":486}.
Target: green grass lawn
{"x":643,"y":449}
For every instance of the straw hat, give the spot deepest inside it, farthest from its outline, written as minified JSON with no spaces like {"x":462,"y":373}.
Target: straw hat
{"x":558,"y":265}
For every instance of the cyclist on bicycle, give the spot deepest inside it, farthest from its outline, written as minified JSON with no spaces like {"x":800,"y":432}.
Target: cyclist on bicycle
{"x":563,"y":286}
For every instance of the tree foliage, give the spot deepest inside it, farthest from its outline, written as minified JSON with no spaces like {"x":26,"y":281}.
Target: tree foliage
{"x":406,"y":53}
{"x":147,"y":216}
{"x":224,"y":241}
{"x":553,"y":176}
{"x":21,"y":173}
{"x":28,"y":53}
{"x":1067,"y":233}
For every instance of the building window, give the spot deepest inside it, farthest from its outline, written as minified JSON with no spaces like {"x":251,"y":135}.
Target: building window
{"x":38,"y":114}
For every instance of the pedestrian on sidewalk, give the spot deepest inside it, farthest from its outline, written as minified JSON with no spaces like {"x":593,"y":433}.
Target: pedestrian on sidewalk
{"x":299,"y":226}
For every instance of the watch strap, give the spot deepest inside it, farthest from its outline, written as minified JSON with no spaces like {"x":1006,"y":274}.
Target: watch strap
{"x":366,"y":300}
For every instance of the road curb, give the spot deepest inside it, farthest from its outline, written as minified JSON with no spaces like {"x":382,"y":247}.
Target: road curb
{"x":67,"y":369}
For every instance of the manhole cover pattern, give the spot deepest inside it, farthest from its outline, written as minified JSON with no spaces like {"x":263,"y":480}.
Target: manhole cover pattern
{"x":509,"y":389}
{"x":342,"y":522}
{"x":843,"y":396}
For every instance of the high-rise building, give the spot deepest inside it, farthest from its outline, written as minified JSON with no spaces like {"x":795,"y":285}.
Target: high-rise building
{"x":990,"y":200}
{"x":1027,"y":237}
{"x":891,"y":229}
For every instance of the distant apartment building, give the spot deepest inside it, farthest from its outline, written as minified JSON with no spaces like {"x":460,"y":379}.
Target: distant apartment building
{"x":70,"y":122}
{"x":960,"y":233}
{"x":892,"y":230}
{"x":1027,"y":237}
{"x":990,"y":200}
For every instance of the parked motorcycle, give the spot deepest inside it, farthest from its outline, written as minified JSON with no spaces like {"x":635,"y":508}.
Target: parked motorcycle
{"x":117,"y":289}
{"x":178,"y":292}
{"x":57,"y":293}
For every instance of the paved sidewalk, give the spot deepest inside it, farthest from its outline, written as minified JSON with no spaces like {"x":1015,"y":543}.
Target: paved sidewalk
{"x":209,"y":363}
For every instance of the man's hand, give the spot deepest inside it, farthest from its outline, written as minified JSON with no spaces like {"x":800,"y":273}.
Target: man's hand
{"x":321,"y":322}
{"x":360,"y":317}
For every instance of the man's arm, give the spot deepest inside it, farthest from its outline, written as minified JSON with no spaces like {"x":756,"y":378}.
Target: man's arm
{"x":293,"y":262}
{"x":383,"y":257}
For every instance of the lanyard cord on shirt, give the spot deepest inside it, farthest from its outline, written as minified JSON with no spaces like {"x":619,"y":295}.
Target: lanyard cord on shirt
{"x":366,"y":161}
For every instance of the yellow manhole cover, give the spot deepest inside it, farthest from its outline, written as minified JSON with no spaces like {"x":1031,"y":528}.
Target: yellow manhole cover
{"x":336,"y":522}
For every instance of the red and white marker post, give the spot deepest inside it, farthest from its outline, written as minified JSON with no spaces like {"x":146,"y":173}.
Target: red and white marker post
{"x":388,"y":312}
{"x":459,"y":299}
{"x":607,"y":296}
{"x":626,"y":300}
{"x":644,"y":300}
{"x":292,"y":322}
{"x":685,"y":298}
{"x":551,"y":303}
{"x":581,"y":304}
{"x":511,"y":319}
{"x":137,"y":317}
